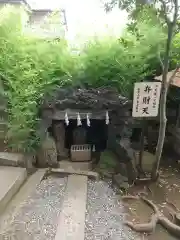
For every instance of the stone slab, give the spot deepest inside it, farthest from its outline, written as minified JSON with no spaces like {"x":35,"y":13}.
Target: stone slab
{"x":24,"y":192}
{"x":11,"y":178}
{"x":11,"y":159}
{"x":81,"y":166}
{"x":90,"y":174}
{"x":71,"y":223}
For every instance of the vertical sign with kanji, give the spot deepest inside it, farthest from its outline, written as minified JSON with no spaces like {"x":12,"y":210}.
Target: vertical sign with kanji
{"x":146,"y":99}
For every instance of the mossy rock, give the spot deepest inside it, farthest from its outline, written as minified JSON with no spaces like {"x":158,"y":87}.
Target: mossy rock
{"x":108,"y":160}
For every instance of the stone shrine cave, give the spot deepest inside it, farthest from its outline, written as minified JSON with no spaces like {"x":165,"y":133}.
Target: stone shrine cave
{"x":90,"y":119}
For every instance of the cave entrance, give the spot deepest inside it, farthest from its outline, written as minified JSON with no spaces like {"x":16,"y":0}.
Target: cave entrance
{"x":64,"y":109}
{"x":94,"y":136}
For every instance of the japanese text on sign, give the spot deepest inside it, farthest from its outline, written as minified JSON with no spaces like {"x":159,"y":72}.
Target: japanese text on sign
{"x":146,"y":99}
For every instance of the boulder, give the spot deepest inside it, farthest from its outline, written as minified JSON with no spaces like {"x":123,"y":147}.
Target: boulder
{"x":121,"y":181}
{"x":47,"y":154}
{"x":126,"y":155}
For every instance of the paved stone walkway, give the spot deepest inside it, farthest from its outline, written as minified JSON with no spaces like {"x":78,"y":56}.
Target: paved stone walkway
{"x":72,"y":218}
{"x":40,"y":214}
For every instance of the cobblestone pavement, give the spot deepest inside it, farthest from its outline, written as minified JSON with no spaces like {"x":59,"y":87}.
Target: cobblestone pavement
{"x":105,"y":214}
{"x":37,"y":217}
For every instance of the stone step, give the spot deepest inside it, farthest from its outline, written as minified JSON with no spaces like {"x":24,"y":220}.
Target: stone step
{"x":24,"y":192}
{"x":71,"y":224}
{"x":11,"y":178}
{"x":11,"y":159}
{"x":68,"y":165}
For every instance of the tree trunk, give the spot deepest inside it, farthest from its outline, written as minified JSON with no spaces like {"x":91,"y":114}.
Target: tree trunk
{"x":162,"y":132}
{"x":164,"y":90}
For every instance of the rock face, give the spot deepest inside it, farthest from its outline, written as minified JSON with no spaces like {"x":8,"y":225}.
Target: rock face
{"x":127,"y":155}
{"x":47,"y":154}
{"x":120,"y":133}
{"x":121,"y":181}
{"x":59,"y":135}
{"x":98,"y":99}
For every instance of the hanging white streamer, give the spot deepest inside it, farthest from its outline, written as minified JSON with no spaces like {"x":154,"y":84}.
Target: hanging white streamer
{"x":66,"y":119}
{"x":79,"y":123}
{"x":107,"y":118}
{"x":88,"y":120}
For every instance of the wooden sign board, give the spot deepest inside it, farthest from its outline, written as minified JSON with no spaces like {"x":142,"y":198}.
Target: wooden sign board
{"x":146,"y":99}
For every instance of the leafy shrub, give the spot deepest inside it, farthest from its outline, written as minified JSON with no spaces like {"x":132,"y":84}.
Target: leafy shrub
{"x":176,"y":49}
{"x":121,"y":62}
{"x":30,"y":68}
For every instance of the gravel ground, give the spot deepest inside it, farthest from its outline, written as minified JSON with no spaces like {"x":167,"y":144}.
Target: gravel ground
{"x":105,"y":214}
{"x":37,"y":217}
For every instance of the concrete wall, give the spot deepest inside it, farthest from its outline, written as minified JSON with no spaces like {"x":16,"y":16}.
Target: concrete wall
{"x":32,"y":20}
{"x":39,"y":25}
{"x":38,"y":16}
{"x":23,"y":10}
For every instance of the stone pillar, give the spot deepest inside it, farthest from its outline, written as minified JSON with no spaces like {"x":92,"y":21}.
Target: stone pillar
{"x":59,"y":135}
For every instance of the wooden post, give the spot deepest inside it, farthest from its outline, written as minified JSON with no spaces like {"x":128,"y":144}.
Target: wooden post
{"x":140,"y":170}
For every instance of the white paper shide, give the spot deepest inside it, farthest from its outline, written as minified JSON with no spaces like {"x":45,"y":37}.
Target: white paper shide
{"x":146,"y":99}
{"x":79,"y":123}
{"x":88,"y":120}
{"x":66,"y":119}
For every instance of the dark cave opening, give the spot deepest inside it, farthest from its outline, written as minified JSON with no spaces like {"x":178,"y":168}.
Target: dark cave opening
{"x":96,"y":134}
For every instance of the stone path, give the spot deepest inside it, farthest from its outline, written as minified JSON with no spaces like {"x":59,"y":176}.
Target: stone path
{"x":105,"y":214}
{"x":38,"y":216}
{"x":11,"y":178}
{"x":72,"y":209}
{"x":72,"y":217}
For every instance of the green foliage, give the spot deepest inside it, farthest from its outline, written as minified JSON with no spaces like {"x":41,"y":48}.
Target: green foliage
{"x":30,"y":68}
{"x":107,"y":62}
{"x":121,"y":62}
{"x":131,"y":6}
{"x":176,"y":49}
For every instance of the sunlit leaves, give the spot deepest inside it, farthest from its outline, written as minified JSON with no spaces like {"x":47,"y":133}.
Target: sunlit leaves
{"x":32,"y":67}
